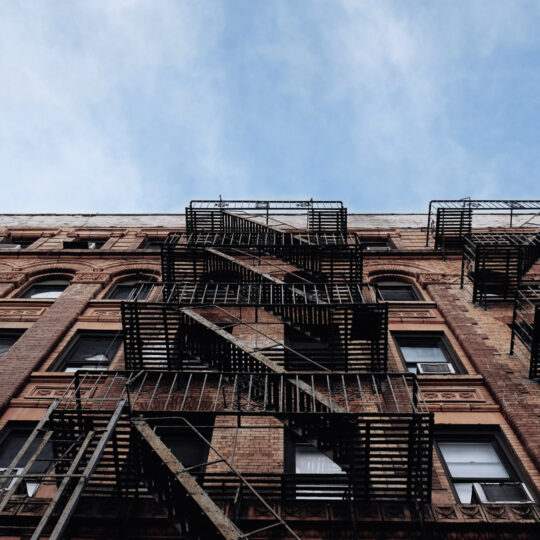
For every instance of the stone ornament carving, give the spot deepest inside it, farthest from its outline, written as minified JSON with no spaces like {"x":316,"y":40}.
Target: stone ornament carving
{"x":452,"y":395}
{"x":444,"y":513}
{"x":90,"y":277}
{"x":443,"y":279}
{"x":101,"y":314}
{"x":14,"y":312}
{"x":12,"y":277}
{"x":411,"y":314}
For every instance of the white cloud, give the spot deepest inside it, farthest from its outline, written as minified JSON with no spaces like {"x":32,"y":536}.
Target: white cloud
{"x":74,"y":76}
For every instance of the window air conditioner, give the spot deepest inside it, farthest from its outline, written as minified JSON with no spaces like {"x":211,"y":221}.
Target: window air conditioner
{"x":500,"y":492}
{"x":435,"y":368}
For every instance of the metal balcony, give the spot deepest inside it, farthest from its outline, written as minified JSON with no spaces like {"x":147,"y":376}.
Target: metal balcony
{"x":231,"y":326}
{"x":497,"y":262}
{"x":255,"y":257}
{"x":230,"y":216}
{"x":375,"y":426}
{"x":454,"y":217}
{"x":526,"y":323}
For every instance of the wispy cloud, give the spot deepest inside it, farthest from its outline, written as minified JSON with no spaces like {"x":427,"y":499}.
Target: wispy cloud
{"x":141,"y":106}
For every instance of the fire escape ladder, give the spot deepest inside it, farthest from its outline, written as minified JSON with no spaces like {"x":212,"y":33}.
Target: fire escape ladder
{"x":191,"y":509}
{"x":10,"y":479}
{"x":71,"y":489}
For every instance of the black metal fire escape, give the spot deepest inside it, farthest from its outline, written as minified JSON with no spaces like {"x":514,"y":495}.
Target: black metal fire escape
{"x":291,"y":335}
{"x":496,"y":263}
{"x":526,"y":323}
{"x":453,"y":218}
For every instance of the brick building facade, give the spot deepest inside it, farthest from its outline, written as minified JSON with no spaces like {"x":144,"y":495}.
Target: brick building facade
{"x":270,"y":370}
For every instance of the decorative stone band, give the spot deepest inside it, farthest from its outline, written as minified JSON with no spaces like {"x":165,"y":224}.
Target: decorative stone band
{"x":12,"y":277}
{"x":442,"y":279}
{"x":90,"y":277}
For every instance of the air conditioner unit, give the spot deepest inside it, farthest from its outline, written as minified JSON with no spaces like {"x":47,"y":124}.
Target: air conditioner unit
{"x":10,"y":246}
{"x":435,"y":368}
{"x":500,"y":492}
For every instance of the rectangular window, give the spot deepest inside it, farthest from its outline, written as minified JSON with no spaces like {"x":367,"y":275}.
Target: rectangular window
{"x":8,"y":339}
{"x":426,"y":354}
{"x":395,"y":291}
{"x":12,"y":439}
{"x":316,"y":476}
{"x":186,"y":445}
{"x":154,"y":244}
{"x":376,"y":245}
{"x":480,"y":470}
{"x":91,"y":350}
{"x":17,"y":243}
{"x":84,"y":244}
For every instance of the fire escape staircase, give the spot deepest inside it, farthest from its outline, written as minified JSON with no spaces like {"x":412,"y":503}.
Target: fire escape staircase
{"x":80,"y":443}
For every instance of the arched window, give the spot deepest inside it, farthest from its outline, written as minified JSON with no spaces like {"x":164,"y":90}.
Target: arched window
{"x":396,"y":290}
{"x":131,"y":288}
{"x":49,"y":287}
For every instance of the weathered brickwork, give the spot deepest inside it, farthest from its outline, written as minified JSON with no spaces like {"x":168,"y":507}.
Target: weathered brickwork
{"x":491,"y":388}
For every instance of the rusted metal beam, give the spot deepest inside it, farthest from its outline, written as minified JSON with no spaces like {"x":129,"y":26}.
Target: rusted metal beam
{"x":223,"y":524}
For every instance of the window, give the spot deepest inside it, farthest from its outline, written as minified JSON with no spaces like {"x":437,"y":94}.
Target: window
{"x":396,"y":291}
{"x":88,"y":243}
{"x":307,"y":349}
{"x":17,"y":243}
{"x":316,"y":475}
{"x":47,"y":288}
{"x":12,"y":439}
{"x":154,"y":244}
{"x":7,"y":340}
{"x":480,"y":470}
{"x":426,"y":354}
{"x":310,"y":461}
{"x":186,"y":445}
{"x":90,"y":350}
{"x":376,"y":245}
{"x":130,"y":289}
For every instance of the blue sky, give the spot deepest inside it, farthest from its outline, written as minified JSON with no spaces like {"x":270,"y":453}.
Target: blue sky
{"x":140,"y":106}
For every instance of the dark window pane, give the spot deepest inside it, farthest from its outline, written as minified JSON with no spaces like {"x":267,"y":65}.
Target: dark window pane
{"x":186,"y":445}
{"x":23,"y":242}
{"x":7,"y":339}
{"x":14,"y":441}
{"x":376,"y":246}
{"x":154,"y":244}
{"x":425,"y":350}
{"x":92,"y":352}
{"x":131,"y":292}
{"x":84,"y":244}
{"x":44,"y":290}
{"x":402,"y":293}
